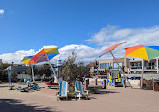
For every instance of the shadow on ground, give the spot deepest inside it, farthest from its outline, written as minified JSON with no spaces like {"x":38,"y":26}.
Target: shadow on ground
{"x":3,"y":86}
{"x":106,"y":92}
{"x":12,"y":105}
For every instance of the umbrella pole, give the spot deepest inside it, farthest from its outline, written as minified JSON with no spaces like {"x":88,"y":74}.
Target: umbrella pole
{"x":142,"y":76}
{"x":9,"y":78}
{"x":121,"y":70}
{"x":51,"y":68}
{"x":142,"y":80}
{"x":32,"y":71}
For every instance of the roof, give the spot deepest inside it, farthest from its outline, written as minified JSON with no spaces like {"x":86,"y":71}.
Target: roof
{"x":93,"y":64}
{"x":19,"y":68}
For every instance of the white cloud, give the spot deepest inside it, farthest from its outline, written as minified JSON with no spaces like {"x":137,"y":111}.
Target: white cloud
{"x":104,"y":38}
{"x":1,"y":11}
{"x":132,"y":36}
{"x":84,"y":53}
{"x":17,"y":56}
{"x":114,"y":34}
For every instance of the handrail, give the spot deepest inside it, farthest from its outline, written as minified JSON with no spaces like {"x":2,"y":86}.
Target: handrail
{"x":154,"y":67}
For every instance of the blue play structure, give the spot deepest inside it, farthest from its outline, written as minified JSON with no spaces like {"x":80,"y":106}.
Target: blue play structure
{"x":115,"y":79}
{"x":115,"y":82}
{"x":26,"y":79}
{"x":122,"y":81}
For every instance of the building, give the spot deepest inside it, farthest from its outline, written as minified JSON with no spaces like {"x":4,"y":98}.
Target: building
{"x":24,"y":76}
{"x":18,"y":69}
{"x":102,"y":67}
{"x":110,"y":64}
{"x":93,"y":66}
{"x":128,"y":66}
{"x":1,"y":61}
{"x":137,"y":66}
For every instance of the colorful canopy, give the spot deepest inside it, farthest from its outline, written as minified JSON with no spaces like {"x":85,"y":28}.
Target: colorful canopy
{"x":144,"y":52}
{"x":44,"y":55}
{"x":110,"y":49}
{"x":27,"y":59}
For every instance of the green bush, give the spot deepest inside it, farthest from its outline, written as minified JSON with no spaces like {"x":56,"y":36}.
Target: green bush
{"x":71,"y":95}
{"x":71,"y":89}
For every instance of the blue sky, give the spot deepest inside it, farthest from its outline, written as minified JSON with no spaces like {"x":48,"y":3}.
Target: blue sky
{"x":32,"y":24}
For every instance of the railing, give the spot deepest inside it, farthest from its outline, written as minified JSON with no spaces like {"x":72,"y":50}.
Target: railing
{"x":154,"y":67}
{"x":135,"y":67}
{"x":150,"y":67}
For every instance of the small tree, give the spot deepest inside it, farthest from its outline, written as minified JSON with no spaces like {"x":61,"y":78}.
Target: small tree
{"x":82,"y":70}
{"x":29,"y":71}
{"x":4,"y":76}
{"x":3,"y":73}
{"x":73,"y":69}
{"x":14,"y":75}
{"x":45,"y":70}
{"x":70,"y":68}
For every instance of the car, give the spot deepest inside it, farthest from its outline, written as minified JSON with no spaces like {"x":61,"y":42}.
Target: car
{"x":88,"y":77}
{"x":135,"y":78}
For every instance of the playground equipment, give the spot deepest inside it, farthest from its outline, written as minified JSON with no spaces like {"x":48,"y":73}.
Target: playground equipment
{"x":110,"y":49}
{"x":52,"y":84}
{"x":115,"y":79}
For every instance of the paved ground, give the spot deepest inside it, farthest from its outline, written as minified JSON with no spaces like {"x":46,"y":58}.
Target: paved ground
{"x":110,"y":100}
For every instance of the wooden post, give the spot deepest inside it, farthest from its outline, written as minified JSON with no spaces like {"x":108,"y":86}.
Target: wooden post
{"x":114,"y":82}
{"x":124,"y":83}
{"x":87,"y":81}
{"x":153,"y":83}
{"x":104,"y":84}
{"x":121,"y":70}
{"x":96,"y":83}
{"x":142,"y":74}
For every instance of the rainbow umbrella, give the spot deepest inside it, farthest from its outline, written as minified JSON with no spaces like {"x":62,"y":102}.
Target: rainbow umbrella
{"x":27,"y":60}
{"x":145,"y":52}
{"x":110,"y":49}
{"x":45,"y":55}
